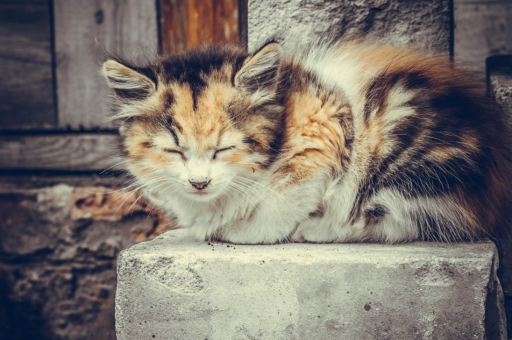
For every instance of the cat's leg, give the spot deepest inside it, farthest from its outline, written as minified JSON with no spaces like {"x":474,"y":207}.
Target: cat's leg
{"x":276,"y":216}
{"x":329,"y":223}
{"x":390,"y":217}
{"x":393,"y":218}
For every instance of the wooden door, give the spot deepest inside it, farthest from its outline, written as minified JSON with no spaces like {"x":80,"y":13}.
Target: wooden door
{"x":189,"y":23}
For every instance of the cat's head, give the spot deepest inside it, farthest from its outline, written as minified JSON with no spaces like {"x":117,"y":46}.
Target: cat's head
{"x":200,"y":124}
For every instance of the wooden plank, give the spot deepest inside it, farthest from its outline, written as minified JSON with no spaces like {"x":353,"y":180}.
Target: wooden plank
{"x":67,"y":152}
{"x":482,"y":28}
{"x":26,"y":83}
{"x":188,"y":24}
{"x":82,"y":29}
{"x":173,"y":23}
{"x":243,"y":6}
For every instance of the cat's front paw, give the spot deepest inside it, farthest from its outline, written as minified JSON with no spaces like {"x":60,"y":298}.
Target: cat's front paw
{"x":297,"y":236}
{"x":249,"y":233}
{"x":203,"y":226}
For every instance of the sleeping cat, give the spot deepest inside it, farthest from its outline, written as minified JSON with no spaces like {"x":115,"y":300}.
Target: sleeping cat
{"x":339,"y":142}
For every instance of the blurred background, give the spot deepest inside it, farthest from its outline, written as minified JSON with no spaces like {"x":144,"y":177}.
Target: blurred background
{"x":63,"y":220}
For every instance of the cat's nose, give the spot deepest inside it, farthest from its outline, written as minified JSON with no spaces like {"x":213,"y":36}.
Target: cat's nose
{"x":200,"y":185}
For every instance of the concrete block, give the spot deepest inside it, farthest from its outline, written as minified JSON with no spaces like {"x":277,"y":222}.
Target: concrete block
{"x":421,"y":23}
{"x":177,"y":288}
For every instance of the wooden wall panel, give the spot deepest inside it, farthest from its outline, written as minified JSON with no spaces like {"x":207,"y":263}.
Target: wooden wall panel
{"x":26,"y":86}
{"x":189,"y":23}
{"x":243,"y":6}
{"x":70,"y":152}
{"x":82,"y":29}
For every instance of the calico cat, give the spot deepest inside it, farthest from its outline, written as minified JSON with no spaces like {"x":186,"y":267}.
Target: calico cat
{"x":329,"y":142}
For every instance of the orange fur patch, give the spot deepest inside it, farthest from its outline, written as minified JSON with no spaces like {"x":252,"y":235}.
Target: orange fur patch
{"x":314,"y":137}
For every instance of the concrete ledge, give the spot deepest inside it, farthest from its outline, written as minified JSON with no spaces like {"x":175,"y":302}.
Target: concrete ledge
{"x":176,"y":288}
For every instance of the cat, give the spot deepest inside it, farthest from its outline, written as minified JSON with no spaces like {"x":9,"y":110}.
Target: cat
{"x":323,"y":142}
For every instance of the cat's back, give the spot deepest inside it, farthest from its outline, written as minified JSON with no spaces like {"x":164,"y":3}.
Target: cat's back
{"x":411,"y":126}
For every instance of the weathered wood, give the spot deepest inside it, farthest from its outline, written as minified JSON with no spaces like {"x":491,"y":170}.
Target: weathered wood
{"x":482,"y":28}
{"x":68,"y":152}
{"x":26,"y":86}
{"x":188,"y":24}
{"x":82,"y":29}
{"x":242,"y":22}
{"x":173,"y":25}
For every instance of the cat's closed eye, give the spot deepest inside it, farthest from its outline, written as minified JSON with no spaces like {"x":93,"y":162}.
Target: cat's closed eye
{"x":173,"y":151}
{"x":176,"y":152}
{"x":222,"y":150}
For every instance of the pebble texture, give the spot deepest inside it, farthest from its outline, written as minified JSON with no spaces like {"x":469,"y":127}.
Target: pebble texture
{"x":177,"y":288}
{"x":424,"y":24}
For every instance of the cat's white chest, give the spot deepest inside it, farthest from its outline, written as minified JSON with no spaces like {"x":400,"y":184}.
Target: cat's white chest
{"x":203,"y":219}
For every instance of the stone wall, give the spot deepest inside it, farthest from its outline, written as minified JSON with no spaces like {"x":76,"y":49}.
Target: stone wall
{"x":424,"y":24}
{"x":60,"y":238}
{"x":499,"y":69}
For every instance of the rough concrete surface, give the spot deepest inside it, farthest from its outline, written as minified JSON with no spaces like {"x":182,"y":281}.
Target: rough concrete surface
{"x":177,"y":288}
{"x":421,"y":23}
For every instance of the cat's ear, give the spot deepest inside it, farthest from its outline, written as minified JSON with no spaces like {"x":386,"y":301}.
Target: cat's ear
{"x":127,"y":83}
{"x":261,"y":71}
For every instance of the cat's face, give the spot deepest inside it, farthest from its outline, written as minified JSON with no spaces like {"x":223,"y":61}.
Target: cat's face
{"x":199,"y":153}
{"x":199,"y":125}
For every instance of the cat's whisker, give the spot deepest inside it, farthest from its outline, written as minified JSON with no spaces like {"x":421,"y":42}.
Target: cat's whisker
{"x":250,"y":191}
{"x":261,"y":185}
{"x":238,"y":193}
{"x":245,"y":194}
{"x":113,"y":166}
{"x":134,"y":202}
{"x":249,"y":187}
{"x":129,"y":193}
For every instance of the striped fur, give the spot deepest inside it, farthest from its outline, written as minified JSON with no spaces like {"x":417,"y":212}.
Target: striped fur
{"x":331,"y":142}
